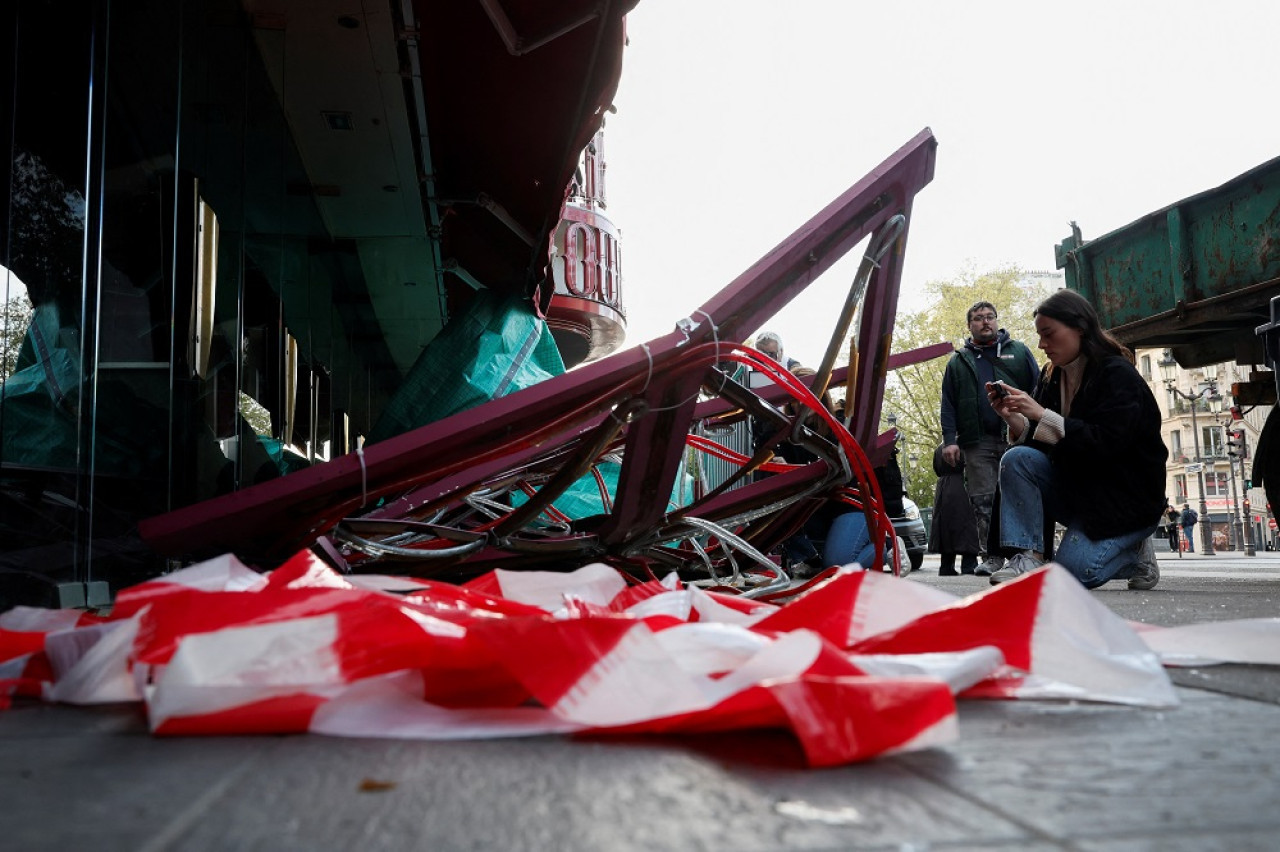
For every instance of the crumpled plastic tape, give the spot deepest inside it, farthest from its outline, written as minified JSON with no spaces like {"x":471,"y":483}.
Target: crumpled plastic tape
{"x":1247,"y":640}
{"x":860,"y":665}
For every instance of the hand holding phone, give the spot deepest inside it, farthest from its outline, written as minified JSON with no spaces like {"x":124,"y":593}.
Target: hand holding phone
{"x":999,"y":388}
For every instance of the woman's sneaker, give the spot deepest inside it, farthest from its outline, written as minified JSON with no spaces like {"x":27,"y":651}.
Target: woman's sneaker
{"x":1146,"y":571}
{"x":1016,"y":566}
{"x":989,"y":566}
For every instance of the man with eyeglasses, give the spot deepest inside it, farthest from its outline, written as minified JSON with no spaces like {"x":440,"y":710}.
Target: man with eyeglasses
{"x":971,"y":429}
{"x":769,"y":343}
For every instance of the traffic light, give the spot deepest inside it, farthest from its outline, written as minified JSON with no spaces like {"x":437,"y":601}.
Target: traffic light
{"x":1236,"y":446}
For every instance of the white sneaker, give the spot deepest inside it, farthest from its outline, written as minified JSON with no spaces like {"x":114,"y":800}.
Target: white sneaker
{"x":989,"y":566}
{"x":1016,"y":566}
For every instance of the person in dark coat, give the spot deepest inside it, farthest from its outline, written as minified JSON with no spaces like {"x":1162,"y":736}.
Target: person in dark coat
{"x":954,"y":529}
{"x":1172,"y":522}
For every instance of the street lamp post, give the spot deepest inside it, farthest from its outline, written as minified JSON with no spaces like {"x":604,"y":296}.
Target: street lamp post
{"x":1169,"y":372}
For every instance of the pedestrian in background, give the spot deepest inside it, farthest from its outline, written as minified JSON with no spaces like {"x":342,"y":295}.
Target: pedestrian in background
{"x":953,"y":529}
{"x":1190,"y":517}
{"x":970,"y":427}
{"x":1172,"y":519}
{"x":769,"y":343}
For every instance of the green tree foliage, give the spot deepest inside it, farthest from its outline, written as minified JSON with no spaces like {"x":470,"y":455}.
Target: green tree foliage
{"x":15,"y":316}
{"x":913,"y":394}
{"x":255,"y":414}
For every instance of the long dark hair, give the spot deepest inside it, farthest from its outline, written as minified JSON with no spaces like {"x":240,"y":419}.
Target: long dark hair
{"x":1074,"y":311}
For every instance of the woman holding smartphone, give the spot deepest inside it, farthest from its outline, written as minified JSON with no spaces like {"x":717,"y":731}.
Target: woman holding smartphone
{"x":1087,"y":453}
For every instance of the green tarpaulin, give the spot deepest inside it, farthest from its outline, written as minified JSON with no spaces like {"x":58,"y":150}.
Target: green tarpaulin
{"x":496,"y":347}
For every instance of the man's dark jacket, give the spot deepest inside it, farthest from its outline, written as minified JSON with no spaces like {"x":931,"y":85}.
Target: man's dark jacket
{"x":965,"y":409}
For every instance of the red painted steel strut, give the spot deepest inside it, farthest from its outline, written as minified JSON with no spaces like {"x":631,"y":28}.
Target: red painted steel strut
{"x":455,"y":470}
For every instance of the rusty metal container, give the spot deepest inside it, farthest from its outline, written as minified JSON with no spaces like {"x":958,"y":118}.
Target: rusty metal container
{"x":1196,"y":277}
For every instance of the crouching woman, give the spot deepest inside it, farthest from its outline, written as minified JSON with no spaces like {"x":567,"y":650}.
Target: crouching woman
{"x":1087,"y":453}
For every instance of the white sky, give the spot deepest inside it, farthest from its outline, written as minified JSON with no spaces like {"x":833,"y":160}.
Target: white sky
{"x":739,"y":119}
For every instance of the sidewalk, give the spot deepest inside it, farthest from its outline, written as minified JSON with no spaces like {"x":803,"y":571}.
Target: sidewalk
{"x":1024,"y":776}
{"x":1027,"y":775}
{"x":1223,"y":563}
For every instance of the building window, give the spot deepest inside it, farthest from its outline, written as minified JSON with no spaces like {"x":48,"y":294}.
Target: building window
{"x":606,"y":269}
{"x":617,"y":275}
{"x":1215,"y":485}
{"x":581,"y":261}
{"x":1146,"y":367}
{"x":590,"y":172}
{"x":1211,"y":442}
{"x":1180,"y":488}
{"x":1175,"y":445}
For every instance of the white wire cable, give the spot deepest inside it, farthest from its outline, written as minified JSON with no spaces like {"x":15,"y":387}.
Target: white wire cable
{"x":781,"y":580}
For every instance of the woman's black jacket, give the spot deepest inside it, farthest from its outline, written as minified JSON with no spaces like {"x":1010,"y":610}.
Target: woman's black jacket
{"x":1109,"y":471}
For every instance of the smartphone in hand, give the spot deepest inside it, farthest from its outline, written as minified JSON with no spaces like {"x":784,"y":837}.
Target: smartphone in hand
{"x":999,"y":388}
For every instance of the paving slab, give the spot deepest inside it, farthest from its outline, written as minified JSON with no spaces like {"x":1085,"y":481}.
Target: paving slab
{"x":1192,"y":590}
{"x":1023,"y":775}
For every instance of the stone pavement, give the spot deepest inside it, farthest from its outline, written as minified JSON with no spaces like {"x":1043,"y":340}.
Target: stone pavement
{"x":1023,"y":775}
{"x":1192,"y":589}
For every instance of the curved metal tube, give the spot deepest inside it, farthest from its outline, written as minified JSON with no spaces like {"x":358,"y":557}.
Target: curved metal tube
{"x":379,"y":549}
{"x":780,"y":581}
{"x":412,"y":527}
{"x":575,"y":468}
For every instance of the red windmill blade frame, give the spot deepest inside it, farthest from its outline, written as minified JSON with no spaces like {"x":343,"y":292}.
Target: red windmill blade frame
{"x":639,"y":403}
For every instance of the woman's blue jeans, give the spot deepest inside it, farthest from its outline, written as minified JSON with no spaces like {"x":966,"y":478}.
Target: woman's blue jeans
{"x":849,"y":541}
{"x":1028,"y":497}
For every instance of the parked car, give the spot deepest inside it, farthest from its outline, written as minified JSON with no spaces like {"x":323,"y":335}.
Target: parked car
{"x":910,"y":528}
